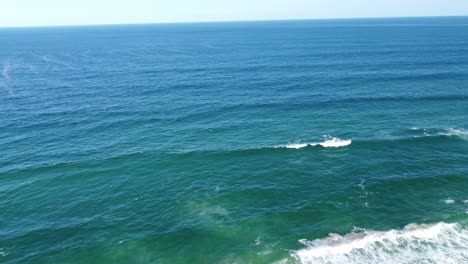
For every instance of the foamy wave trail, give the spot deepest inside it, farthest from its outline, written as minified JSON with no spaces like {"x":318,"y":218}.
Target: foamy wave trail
{"x":436,"y":243}
{"x":5,"y":74}
{"x":331,"y":143}
{"x":432,"y":132}
{"x":461,"y":133}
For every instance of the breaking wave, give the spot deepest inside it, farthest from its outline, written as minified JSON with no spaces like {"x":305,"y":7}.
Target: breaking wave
{"x":330,"y":143}
{"x":431,"y":132}
{"x":436,"y":243}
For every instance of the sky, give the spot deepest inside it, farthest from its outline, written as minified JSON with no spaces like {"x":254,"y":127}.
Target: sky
{"x":14,"y":13}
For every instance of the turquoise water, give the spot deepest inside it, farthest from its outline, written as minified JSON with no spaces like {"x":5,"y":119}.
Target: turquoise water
{"x":329,"y":141}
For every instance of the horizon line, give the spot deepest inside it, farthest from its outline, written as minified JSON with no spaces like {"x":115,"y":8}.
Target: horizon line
{"x":225,"y":21}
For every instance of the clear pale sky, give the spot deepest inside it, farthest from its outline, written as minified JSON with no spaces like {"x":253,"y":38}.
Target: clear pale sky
{"x":86,"y":12}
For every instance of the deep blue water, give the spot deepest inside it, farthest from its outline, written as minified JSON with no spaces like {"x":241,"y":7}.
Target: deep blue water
{"x":327,"y":141}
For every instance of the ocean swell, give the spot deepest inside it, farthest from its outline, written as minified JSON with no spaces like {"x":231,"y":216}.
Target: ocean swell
{"x":436,"y":243}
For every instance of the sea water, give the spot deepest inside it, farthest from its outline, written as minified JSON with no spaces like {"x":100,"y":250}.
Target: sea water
{"x":326,"y":141}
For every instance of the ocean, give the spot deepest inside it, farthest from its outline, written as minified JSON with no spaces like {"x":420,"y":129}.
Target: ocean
{"x":315,"y":141}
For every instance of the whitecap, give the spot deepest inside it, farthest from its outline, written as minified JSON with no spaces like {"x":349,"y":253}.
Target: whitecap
{"x":449,"y":201}
{"x":296,"y":146}
{"x":436,"y":243}
{"x":335,"y":143}
{"x":432,"y":132}
{"x":461,"y":133}
{"x":257,"y":241}
{"x":330,"y":143}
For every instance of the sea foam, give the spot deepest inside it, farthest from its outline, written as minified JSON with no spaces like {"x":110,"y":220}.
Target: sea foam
{"x":449,"y":132}
{"x":449,"y":201}
{"x":461,"y":133}
{"x":330,"y":143}
{"x":436,"y":243}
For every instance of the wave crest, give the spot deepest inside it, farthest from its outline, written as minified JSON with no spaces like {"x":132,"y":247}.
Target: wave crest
{"x":431,"y":132}
{"x":461,"y":133}
{"x":330,"y":143}
{"x":436,"y":243}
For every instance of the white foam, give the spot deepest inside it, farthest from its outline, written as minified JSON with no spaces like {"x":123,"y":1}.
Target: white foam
{"x":335,"y":143}
{"x":461,"y":133}
{"x":451,"y":132}
{"x":437,"y":243}
{"x":297,"y":146}
{"x":258,"y":241}
{"x":331,"y":143}
{"x":449,"y":201}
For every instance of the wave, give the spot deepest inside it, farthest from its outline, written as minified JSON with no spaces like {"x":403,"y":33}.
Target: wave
{"x":415,"y":135}
{"x":449,"y":201}
{"x":331,"y":143}
{"x":6,"y":76}
{"x":456,"y":132}
{"x":402,"y":98}
{"x":433,"y":132}
{"x":436,"y":243}
{"x":314,"y":101}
